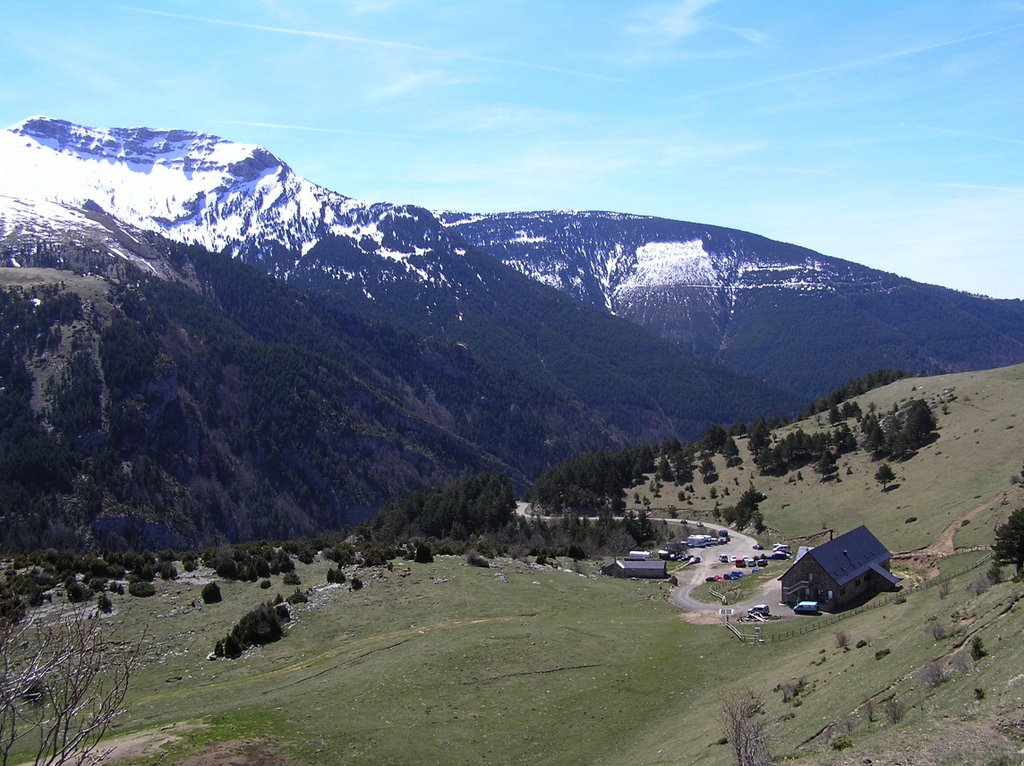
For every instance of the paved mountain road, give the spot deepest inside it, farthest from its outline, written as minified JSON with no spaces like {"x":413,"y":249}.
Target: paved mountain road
{"x":691,"y":576}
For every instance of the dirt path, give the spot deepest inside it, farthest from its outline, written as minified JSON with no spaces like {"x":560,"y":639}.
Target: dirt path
{"x":943,"y":546}
{"x":691,"y":576}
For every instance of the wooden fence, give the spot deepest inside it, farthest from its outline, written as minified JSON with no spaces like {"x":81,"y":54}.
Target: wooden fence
{"x":760,"y":637}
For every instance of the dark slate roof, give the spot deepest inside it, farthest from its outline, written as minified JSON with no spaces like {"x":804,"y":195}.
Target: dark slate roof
{"x":851,"y":555}
{"x":643,"y":568}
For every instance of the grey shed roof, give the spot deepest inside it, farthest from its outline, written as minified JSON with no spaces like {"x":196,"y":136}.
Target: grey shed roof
{"x":642,"y":568}
{"x":852,"y":555}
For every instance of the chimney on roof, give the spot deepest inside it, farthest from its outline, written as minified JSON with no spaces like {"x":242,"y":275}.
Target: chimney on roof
{"x":831,"y":533}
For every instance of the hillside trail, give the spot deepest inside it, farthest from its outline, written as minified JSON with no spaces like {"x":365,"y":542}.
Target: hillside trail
{"x":944,"y":545}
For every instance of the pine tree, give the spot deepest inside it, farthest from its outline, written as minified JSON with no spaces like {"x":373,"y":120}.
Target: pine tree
{"x":1009,"y":545}
{"x":884,"y":475}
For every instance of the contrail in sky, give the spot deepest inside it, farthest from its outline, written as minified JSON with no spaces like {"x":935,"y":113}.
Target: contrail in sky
{"x":369,"y":41}
{"x":850,"y":64}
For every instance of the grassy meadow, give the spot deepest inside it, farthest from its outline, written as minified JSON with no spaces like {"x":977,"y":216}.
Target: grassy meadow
{"x":965,"y":472}
{"x":445,"y":662}
{"x":519,"y":663}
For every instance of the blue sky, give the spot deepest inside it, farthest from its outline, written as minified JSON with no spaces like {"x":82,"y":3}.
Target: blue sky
{"x":887,"y":133}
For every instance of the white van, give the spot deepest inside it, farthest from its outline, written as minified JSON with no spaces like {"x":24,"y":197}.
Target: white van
{"x":761,"y":610}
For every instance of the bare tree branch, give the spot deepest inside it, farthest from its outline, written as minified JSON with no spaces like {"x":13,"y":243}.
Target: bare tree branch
{"x":63,"y":682}
{"x":747,"y":728}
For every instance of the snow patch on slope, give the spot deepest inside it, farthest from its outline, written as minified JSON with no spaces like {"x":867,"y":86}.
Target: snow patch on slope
{"x":191,"y":187}
{"x":672,"y":263}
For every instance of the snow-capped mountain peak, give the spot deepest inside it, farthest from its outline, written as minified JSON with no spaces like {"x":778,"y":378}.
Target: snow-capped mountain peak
{"x":199,"y":188}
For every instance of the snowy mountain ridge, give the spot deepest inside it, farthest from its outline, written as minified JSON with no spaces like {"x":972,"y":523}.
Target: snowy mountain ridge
{"x":226,"y":196}
{"x":777,"y":312}
{"x":607,"y":258}
{"x":190,"y":187}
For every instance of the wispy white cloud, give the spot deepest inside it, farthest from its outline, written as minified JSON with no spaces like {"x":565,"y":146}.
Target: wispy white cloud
{"x":373,"y":42}
{"x":750,"y":35}
{"x":674,"y":21}
{"x":666,"y":31}
{"x":408,"y":81}
{"x":968,"y":134}
{"x":366,"y":7}
{"x":849,"y":65}
{"x":504,"y":119}
{"x":314,"y":129}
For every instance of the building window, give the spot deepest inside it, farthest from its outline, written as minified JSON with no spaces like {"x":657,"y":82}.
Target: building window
{"x":856,"y":582}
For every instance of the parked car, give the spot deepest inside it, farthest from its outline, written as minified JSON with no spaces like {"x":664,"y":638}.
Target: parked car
{"x":758,"y":547}
{"x":740,"y":562}
{"x":761,"y":609}
{"x":807,"y":607}
{"x":779,"y":555}
{"x":694,"y":559}
{"x":723,"y":558}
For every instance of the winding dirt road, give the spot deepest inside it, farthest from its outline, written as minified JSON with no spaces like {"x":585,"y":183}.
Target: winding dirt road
{"x":691,"y":576}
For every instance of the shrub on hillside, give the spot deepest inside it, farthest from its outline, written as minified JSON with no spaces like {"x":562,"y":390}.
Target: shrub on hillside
{"x":141,"y":589}
{"x":423,"y":553}
{"x":979,"y":586}
{"x":894,"y":711}
{"x":257,"y":627}
{"x":377,"y":554}
{"x":335,"y":576}
{"x":168,"y":571}
{"x":576,"y":552}
{"x":76,"y":591}
{"x":291,"y":578}
{"x":298,"y":597}
{"x":977,"y":648}
{"x":475,"y":559}
{"x":932,"y":675}
{"x":211,"y":593}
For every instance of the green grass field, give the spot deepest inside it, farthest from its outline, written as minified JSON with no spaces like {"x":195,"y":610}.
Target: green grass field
{"x":967,"y":469}
{"x":444,"y":663}
{"x":520,"y":664}
{"x":434,"y":663}
{"x":742,"y":589}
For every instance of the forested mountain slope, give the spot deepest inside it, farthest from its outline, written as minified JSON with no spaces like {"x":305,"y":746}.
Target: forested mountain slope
{"x":778,"y":312}
{"x":152,"y":415}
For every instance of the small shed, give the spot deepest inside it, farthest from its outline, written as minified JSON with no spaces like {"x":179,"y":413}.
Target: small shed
{"x":850,"y":568}
{"x":649,"y":569}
